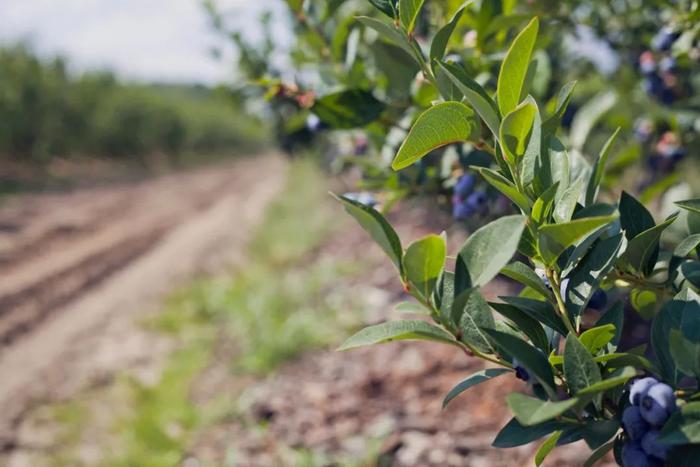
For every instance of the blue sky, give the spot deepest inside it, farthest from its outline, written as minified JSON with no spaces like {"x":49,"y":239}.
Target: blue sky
{"x":146,"y":40}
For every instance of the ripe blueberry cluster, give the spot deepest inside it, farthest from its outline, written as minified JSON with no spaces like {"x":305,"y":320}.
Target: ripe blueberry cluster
{"x":652,"y":403}
{"x":466,"y":201}
{"x":660,"y":79}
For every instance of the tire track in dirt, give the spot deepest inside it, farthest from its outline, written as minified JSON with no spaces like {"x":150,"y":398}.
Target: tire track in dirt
{"x":67,"y":315}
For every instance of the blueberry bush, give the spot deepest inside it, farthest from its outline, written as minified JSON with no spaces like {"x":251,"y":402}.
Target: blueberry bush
{"x":353,"y":79}
{"x":583,"y":255}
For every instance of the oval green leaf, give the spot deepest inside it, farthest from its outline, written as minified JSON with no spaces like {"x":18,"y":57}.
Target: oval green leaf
{"x":398,"y":330}
{"x":445,"y":123}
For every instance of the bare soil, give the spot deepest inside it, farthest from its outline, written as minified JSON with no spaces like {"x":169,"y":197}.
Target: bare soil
{"x":78,"y":269}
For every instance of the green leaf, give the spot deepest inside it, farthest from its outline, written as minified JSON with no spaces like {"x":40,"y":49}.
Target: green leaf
{"x":529,"y":357}
{"x":516,"y":434}
{"x":672,"y":316}
{"x":473,"y":380}
{"x":531,"y":411}
{"x":412,"y":307}
{"x":689,"y":244}
{"x":506,"y":187}
{"x":546,"y":447}
{"x":692,"y":205}
{"x":596,"y":338}
{"x":388,"y":32}
{"x":579,"y":368}
{"x":540,"y":310}
{"x":563,"y":98}
{"x":599,"y":169}
{"x":472,"y":314}
{"x":590,"y":271}
{"x":511,"y":78}
{"x":408,"y":12}
{"x":377,"y":226}
{"x":544,"y":205}
{"x":528,"y":166}
{"x":566,"y":203}
{"x":643,"y":250}
{"x":388,"y":7}
{"x":475,"y":95}
{"x":691,"y":272}
{"x":490,"y":248}
{"x":441,"y":124}
{"x":685,"y":353}
{"x":515,"y":131}
{"x":525,"y":275}
{"x":597,"y":432}
{"x":615,"y":316}
{"x":442,"y":37}
{"x":551,"y":167}
{"x":598,"y":454}
{"x":351,"y":108}
{"x":398,"y":330}
{"x":529,"y":326}
{"x":619,"y":378}
{"x":634,"y":217}
{"x":588,"y":115}
{"x":423,"y":262}
{"x":555,"y":238}
{"x":683,"y":427}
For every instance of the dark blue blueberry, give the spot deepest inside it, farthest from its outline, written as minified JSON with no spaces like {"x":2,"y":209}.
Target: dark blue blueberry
{"x":657,"y":404}
{"x":462,"y":211}
{"x":678,"y":155}
{"x":478,"y":201}
{"x":568,"y":116}
{"x":666,"y":95}
{"x":520,"y":371}
{"x":634,"y":456}
{"x":652,"y":446}
{"x":654,"y":162}
{"x":465,"y":185}
{"x":653,"y":85}
{"x":668,"y":65}
{"x":664,"y":39}
{"x":639,"y":388}
{"x":598,"y":300}
{"x":635,"y":426}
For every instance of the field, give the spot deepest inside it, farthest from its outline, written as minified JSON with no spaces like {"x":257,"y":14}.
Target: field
{"x":201,"y":326}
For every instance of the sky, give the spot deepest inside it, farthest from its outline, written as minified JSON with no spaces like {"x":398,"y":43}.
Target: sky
{"x":142,"y":40}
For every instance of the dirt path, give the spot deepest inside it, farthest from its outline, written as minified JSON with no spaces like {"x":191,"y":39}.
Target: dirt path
{"x":77,"y":270}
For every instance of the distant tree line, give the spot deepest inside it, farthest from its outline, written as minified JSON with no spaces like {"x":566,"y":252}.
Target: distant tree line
{"x":46,"y":111}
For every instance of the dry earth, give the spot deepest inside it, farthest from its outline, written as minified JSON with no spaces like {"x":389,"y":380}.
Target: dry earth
{"x":78,"y":269}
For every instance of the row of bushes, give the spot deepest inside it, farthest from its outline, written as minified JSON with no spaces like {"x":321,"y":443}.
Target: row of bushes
{"x":46,"y":111}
